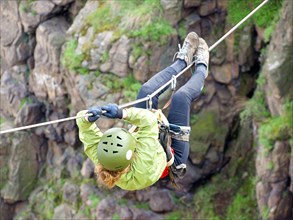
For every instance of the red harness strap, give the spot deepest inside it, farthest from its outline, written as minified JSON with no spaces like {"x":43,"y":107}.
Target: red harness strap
{"x":166,"y":170}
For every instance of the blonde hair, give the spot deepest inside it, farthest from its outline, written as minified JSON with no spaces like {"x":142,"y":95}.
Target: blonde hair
{"x":108,"y":178}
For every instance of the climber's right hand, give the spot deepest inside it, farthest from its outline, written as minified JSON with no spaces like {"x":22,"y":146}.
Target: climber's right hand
{"x":96,"y":112}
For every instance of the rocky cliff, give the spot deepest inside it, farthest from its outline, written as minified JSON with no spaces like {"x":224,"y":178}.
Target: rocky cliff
{"x":62,"y":56}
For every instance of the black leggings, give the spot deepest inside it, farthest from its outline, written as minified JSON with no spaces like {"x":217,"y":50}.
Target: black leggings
{"x":179,"y":113}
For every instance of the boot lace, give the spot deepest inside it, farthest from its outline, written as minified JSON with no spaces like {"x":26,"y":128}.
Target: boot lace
{"x":182,"y":51}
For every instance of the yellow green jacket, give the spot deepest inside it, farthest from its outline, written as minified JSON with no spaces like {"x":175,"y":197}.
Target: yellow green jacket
{"x":149,"y":161}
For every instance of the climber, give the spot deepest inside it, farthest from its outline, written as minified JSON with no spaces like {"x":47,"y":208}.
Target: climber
{"x":134,"y":161}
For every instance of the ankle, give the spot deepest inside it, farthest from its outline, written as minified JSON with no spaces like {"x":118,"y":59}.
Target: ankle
{"x":201,"y":66}
{"x":179,"y":65}
{"x":182,"y":63}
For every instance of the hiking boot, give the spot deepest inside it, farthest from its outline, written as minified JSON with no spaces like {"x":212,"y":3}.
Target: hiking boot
{"x":202,"y":54}
{"x":190,"y":45}
{"x":178,"y":171}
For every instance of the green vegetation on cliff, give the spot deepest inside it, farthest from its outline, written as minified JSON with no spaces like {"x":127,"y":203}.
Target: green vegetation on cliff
{"x":243,"y":206}
{"x":206,"y":130}
{"x":25,"y":7}
{"x":256,"y":108}
{"x":4,"y":171}
{"x":231,"y":193}
{"x":265,"y":18}
{"x":2,"y":120}
{"x":271,"y":128}
{"x":129,"y":85}
{"x":277,"y":128}
{"x":224,"y":199}
{"x":70,"y":59}
{"x":142,"y":19}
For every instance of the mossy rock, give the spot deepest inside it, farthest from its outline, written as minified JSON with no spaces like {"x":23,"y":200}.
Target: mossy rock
{"x":22,"y":167}
{"x":207,"y":131}
{"x":247,"y":84}
{"x":45,"y":198}
{"x":4,"y":158}
{"x":3,"y":175}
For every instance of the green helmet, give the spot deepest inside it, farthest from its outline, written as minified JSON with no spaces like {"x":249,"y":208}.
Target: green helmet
{"x":116,"y":148}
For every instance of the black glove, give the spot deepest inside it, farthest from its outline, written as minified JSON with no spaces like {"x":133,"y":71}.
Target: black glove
{"x":96,"y":112}
{"x":112,"y":111}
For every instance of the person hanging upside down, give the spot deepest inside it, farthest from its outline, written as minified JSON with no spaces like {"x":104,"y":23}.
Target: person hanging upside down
{"x":134,"y":161}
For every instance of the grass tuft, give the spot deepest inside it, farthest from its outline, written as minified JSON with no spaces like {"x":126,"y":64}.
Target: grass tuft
{"x":265,"y":18}
{"x":71,"y":60}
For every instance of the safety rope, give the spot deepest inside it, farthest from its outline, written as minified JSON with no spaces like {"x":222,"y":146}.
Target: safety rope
{"x":148,"y":98}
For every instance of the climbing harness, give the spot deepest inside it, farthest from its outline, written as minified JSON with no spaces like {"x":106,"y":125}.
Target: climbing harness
{"x":168,"y":131}
{"x":148,"y":98}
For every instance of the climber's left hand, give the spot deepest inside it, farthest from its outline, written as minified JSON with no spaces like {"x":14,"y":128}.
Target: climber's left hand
{"x":112,"y":111}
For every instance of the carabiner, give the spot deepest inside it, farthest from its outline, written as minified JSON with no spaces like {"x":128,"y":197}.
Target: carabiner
{"x":149,"y":102}
{"x":173,"y":83}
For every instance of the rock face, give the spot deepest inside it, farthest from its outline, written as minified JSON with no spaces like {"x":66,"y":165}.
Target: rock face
{"x":161,"y":201}
{"x":14,"y":90}
{"x":118,"y":60}
{"x":64,"y":211}
{"x":16,"y":45}
{"x":279,"y":63}
{"x":6,"y":210}
{"x":70,"y":193}
{"x":172,"y":10}
{"x":135,"y":213}
{"x":34,"y":13}
{"x":37,"y":86}
{"x":106,"y":208}
{"x":23,"y":166}
{"x":274,"y":190}
{"x":45,"y":80}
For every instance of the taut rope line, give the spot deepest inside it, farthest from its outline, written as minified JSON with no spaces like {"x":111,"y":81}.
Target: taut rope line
{"x":237,"y":25}
{"x":149,"y":97}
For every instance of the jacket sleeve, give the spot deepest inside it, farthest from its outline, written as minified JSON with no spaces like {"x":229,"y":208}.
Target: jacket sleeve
{"x":145,"y":120}
{"x":89,"y":135}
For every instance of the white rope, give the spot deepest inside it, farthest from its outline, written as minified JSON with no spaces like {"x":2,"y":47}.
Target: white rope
{"x":43,"y":124}
{"x":237,"y":25}
{"x":147,"y":98}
